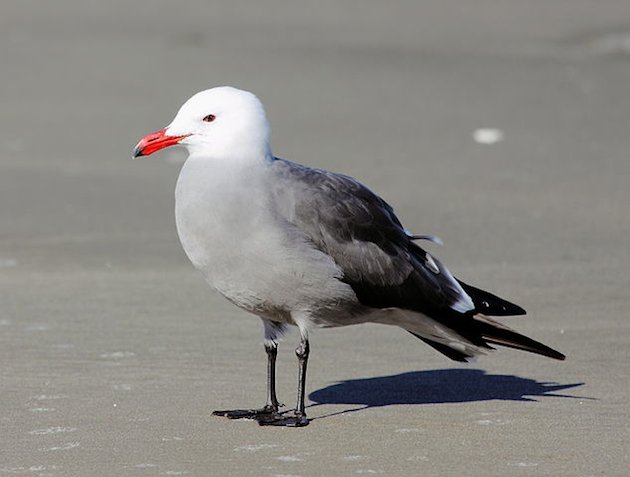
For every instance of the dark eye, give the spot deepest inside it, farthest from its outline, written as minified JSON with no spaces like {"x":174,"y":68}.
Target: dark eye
{"x":209,"y":118}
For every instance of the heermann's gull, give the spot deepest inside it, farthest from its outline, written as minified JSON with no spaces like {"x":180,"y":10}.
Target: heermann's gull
{"x":307,"y":247}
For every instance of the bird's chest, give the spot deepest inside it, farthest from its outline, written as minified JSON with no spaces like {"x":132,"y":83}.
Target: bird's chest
{"x":231,"y":233}
{"x":222,"y":227}
{"x":235,"y":233}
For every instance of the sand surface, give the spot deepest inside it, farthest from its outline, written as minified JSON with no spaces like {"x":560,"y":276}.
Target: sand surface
{"x":113,"y":352}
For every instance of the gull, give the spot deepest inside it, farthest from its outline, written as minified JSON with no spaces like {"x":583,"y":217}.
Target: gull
{"x":310,"y":248}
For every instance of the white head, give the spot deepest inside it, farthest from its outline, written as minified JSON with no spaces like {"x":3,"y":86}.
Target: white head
{"x":222,"y":123}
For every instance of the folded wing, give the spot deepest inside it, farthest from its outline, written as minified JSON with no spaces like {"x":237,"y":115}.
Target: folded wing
{"x":387,"y":270}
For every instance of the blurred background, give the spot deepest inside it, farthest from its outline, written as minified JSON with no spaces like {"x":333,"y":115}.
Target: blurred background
{"x":500,"y":126}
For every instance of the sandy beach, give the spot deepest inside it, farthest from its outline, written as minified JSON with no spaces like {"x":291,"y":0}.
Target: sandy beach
{"x":501,"y":127}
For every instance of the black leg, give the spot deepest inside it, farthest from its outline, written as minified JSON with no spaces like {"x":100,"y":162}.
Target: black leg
{"x":272,"y":352}
{"x":302,"y":353}
{"x":271,"y":408}
{"x":298,"y":417}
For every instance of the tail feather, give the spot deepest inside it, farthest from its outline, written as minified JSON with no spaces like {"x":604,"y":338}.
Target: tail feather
{"x":497,"y":333}
{"x":477,"y":334}
{"x":454,"y":354}
{"x":464,"y":336}
{"x":491,"y":331}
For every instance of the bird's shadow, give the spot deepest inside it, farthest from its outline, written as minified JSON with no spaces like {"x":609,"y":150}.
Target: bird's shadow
{"x":436,"y":387}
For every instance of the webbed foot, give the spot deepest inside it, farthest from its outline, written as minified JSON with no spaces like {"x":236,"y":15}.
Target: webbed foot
{"x":247,"y":413}
{"x":286,"y":419}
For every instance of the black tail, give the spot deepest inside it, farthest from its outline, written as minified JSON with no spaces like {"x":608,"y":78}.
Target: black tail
{"x":491,"y":331}
{"x":476,"y":328}
{"x":484,"y":332}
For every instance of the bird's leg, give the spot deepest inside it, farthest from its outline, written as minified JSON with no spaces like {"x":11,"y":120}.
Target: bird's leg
{"x":272,"y":352}
{"x":298,"y":417}
{"x":302,"y":353}
{"x":271,"y":408}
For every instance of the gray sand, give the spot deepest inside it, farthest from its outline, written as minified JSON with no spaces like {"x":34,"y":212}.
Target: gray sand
{"x":113,"y":352}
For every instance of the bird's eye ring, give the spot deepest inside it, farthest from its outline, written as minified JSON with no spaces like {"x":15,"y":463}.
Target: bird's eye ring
{"x":209,"y":118}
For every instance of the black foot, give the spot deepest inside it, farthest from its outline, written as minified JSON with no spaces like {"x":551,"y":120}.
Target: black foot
{"x":247,"y":413}
{"x":287,"y":419}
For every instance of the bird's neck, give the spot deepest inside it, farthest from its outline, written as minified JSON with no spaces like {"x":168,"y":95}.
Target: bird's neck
{"x":223,"y":178}
{"x":237,"y":149}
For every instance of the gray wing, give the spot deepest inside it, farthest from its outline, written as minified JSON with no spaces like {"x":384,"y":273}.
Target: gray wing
{"x":360,"y":231}
{"x":383,"y":265}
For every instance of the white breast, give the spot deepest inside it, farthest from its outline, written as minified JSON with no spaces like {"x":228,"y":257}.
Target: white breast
{"x":230,"y":231}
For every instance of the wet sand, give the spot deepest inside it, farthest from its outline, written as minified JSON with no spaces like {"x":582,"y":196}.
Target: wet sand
{"x":113,"y":352}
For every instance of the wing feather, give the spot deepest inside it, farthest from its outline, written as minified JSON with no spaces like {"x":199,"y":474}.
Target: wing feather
{"x":362,"y":234}
{"x":386,"y":269}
